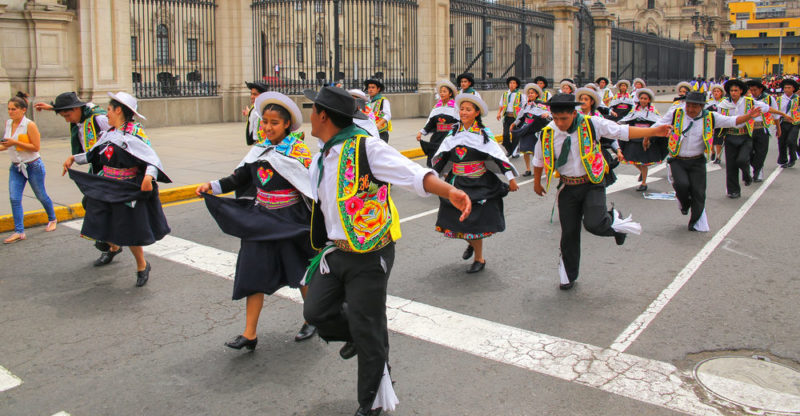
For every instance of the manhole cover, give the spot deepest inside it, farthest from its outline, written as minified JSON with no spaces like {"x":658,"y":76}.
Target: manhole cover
{"x":751,"y":382}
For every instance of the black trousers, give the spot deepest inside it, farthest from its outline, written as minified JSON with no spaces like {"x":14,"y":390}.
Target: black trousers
{"x":760,"y":149}
{"x":737,"y":158}
{"x":787,"y":142}
{"x":384,"y":136}
{"x":507,"y":143}
{"x":689,"y":181}
{"x":585,"y":202}
{"x":359,"y":280}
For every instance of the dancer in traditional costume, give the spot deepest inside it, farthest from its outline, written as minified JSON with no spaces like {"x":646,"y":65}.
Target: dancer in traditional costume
{"x":567,"y":86}
{"x":510,"y":104}
{"x":648,"y":151}
{"x":761,"y":141}
{"x":604,"y":90}
{"x":252,"y":132}
{"x":638,"y":84}
{"x":440,"y":121}
{"x":589,"y":100}
{"x":87,"y":123}
{"x":531,"y":119}
{"x":122,"y":203}
{"x":355,"y":223}
{"x":691,"y":138}
{"x":368,"y":124}
{"x":788,"y":130}
{"x":469,"y":146}
{"x":717,"y":94}
{"x":466,"y":83}
{"x":380,"y":107}
{"x":569,"y":146}
{"x":543,"y":84}
{"x":273,"y":229}
{"x":622,"y":103}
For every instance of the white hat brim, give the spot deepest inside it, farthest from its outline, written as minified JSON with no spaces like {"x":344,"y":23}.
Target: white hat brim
{"x":623,"y":81}
{"x":533,"y":86}
{"x":358,"y":94}
{"x":122,"y":100}
{"x":590,"y":92}
{"x":448,"y":84}
{"x":472,"y":98}
{"x":647,"y":91}
{"x":272,"y":97}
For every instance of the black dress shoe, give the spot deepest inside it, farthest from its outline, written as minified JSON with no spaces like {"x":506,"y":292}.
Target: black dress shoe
{"x":747,"y":181}
{"x":790,"y":164}
{"x":368,"y":412}
{"x":734,"y":195}
{"x":641,"y":188}
{"x":348,"y":351}
{"x":527,"y":173}
{"x":468,"y":253}
{"x":757,"y":176}
{"x":240,"y":341}
{"x":102,"y":246}
{"x":685,"y":211}
{"x":620,"y":238}
{"x":306,"y":332}
{"x":143,"y":276}
{"x":106,"y":257}
{"x":566,"y":286}
{"x":718,"y":161}
{"x":476,"y":267}
{"x":516,"y":156}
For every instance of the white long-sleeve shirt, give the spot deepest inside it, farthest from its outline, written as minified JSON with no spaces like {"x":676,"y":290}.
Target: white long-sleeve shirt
{"x":692,"y":140}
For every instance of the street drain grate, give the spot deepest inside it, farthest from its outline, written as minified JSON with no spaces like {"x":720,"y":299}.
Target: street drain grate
{"x":754,"y":382}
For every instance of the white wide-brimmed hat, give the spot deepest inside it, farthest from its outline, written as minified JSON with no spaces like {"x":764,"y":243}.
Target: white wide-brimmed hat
{"x":472,"y":98}
{"x":357,"y":93}
{"x":591,"y":93}
{"x":639,"y":80}
{"x":571,"y":85}
{"x":591,"y":85}
{"x":448,"y":84}
{"x":273,"y":97}
{"x":647,"y":91}
{"x":128,"y":101}
{"x":623,"y":81}
{"x":533,"y":86}
{"x":684,"y":84}
{"x":715,"y":87}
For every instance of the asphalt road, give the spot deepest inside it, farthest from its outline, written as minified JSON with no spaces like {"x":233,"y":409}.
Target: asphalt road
{"x":85,"y":341}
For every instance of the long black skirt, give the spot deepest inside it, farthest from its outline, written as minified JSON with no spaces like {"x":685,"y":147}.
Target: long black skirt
{"x":275,"y":247}
{"x":118,"y":212}
{"x":635,"y":153}
{"x":486,"y":193}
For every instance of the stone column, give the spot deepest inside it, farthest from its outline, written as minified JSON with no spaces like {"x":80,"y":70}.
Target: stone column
{"x":564,"y":13}
{"x":602,"y":40}
{"x":235,"y":49}
{"x":5,"y":84}
{"x":105,"y":49}
{"x":433,"y":43}
{"x":711,"y":58}
{"x":728,"y":48}
{"x":699,"y":53}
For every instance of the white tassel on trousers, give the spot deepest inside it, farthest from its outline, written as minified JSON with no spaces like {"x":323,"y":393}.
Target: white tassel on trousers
{"x":562,"y":272}
{"x":625,"y":225}
{"x":385,"y":398}
{"x":702,"y":223}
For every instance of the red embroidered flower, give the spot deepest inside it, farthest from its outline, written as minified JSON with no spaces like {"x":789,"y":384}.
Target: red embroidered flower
{"x":353,"y":205}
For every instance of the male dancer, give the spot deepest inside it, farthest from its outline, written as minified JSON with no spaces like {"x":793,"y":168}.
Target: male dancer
{"x":380,"y":107}
{"x":787,"y":130}
{"x":760,"y":137}
{"x":510,"y":104}
{"x":355,"y":223}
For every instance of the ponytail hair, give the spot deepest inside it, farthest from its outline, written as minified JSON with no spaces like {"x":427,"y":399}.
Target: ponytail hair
{"x":20,"y":100}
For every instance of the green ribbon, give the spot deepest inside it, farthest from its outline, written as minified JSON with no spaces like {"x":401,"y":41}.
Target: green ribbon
{"x":339,"y":138}
{"x":315,"y":261}
{"x":565,"y":147}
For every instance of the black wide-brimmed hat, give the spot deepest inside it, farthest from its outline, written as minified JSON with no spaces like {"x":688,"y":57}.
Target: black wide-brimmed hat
{"x":755,"y":83}
{"x":258,"y":86}
{"x":466,"y":76}
{"x":597,"y":81}
{"x":790,"y":81}
{"x":562,"y":101}
{"x":735,"y":82}
{"x":513,"y":78}
{"x":543,"y":79}
{"x":336,"y":100}
{"x":375,"y":82}
{"x":695,"y":97}
{"x":67,"y":100}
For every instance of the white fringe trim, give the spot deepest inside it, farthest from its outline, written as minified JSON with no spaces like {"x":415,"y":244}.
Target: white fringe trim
{"x":385,"y":398}
{"x":702,"y":223}
{"x":562,"y":271}
{"x":625,"y":225}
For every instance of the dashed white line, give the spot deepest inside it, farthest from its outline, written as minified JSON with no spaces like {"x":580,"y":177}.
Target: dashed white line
{"x":8,"y":380}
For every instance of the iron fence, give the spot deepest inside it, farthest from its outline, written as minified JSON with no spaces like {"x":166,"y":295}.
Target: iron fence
{"x":173,"y":48}
{"x":492,"y":41}
{"x":656,"y":60}
{"x":301,"y":44}
{"x":583,"y":46}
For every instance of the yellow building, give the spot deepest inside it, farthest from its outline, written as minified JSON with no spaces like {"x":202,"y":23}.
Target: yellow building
{"x":763,"y":31}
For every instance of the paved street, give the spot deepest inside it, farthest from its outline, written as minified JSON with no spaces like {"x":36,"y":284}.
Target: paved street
{"x":85,"y":341}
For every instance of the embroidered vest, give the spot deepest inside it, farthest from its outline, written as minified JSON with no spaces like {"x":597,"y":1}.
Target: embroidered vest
{"x":748,"y":105}
{"x":674,"y":142}
{"x":377,"y":108}
{"x":517,"y":102}
{"x":88,"y":127}
{"x":793,"y":110}
{"x":365,"y":207}
{"x":547,"y":95}
{"x":767,"y":116}
{"x":593,"y":161}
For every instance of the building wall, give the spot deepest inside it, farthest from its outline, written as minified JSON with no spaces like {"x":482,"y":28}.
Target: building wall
{"x":758,"y":40}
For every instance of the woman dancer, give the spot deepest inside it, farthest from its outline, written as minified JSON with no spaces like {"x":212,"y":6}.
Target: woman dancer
{"x":275,"y":245}
{"x":622,"y":102}
{"x":531,"y":119}
{"x":122,"y":204}
{"x":440,"y":120}
{"x":648,"y":151}
{"x":469,"y":146}
{"x":717,"y":93}
{"x":590,"y":100}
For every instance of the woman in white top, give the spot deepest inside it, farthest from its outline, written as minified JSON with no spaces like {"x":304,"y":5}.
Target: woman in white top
{"x":21,"y":139}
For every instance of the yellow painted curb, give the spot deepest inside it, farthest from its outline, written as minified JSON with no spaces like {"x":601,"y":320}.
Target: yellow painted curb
{"x":179,"y":193}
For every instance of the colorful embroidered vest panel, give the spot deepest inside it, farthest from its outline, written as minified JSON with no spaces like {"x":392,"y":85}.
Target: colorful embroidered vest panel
{"x":377,"y":109}
{"x":517,"y":102}
{"x":767,"y":116}
{"x":592,"y":158}
{"x":674,"y":142}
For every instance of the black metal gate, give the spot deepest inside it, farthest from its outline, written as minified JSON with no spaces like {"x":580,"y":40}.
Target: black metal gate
{"x":173,"y":48}
{"x":584,"y":46}
{"x":656,"y":60}
{"x":300,"y":44}
{"x":492,"y":41}
{"x":720,"y":68}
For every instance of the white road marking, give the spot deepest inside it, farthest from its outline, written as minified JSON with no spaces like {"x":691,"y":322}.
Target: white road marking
{"x":8,"y":380}
{"x":62,"y":413}
{"x":642,"y":379}
{"x":627,"y":337}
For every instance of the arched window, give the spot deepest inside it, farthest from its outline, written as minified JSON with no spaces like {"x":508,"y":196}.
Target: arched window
{"x":377,"y":51}
{"x":319,"y":49}
{"x":162,"y":44}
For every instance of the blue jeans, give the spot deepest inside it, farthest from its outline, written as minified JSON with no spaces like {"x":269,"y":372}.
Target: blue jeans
{"x":16,"y":184}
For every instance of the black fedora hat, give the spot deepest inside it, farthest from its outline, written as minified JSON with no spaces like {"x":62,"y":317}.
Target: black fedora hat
{"x":563,"y":100}
{"x":755,"y":83}
{"x":258,"y":86}
{"x":466,"y":76}
{"x":543,"y":79}
{"x":790,"y":81}
{"x":695,"y":97}
{"x":513,"y":78}
{"x":67,"y":100}
{"x":376,"y":82}
{"x":336,"y":100}
{"x":597,"y":81}
{"x":735,"y":82}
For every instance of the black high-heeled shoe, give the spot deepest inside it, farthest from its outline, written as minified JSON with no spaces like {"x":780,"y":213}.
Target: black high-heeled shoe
{"x":240,"y":341}
{"x":143,"y":276}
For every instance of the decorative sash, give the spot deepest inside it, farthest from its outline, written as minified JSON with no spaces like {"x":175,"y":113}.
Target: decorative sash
{"x":470,"y":169}
{"x":277,"y":199}
{"x":591,"y":156}
{"x":767,"y":116}
{"x":675,"y":139}
{"x":121,"y":174}
{"x":442,"y":126}
{"x":750,"y":124}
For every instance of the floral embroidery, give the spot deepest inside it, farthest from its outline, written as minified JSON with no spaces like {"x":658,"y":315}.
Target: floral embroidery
{"x":463,"y":236}
{"x":264,"y":175}
{"x":293,"y":146}
{"x":461,"y":152}
{"x":383,"y":193}
{"x":471,"y":129}
{"x":109,"y":151}
{"x":354,"y":205}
